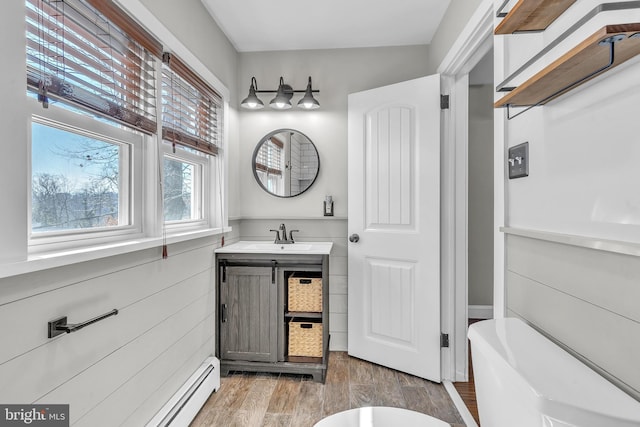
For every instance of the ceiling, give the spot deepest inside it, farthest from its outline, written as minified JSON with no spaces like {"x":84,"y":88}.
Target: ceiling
{"x":259,"y":25}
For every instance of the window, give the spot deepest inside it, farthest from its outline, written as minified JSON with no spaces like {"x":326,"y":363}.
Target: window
{"x":96,"y":147}
{"x":191,"y":109}
{"x":77,"y":180}
{"x":270,"y":164}
{"x":191,"y":113}
{"x":86,"y":179}
{"x":91,"y":79}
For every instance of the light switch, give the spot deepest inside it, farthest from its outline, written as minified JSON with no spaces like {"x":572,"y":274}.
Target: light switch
{"x":518,"y":161}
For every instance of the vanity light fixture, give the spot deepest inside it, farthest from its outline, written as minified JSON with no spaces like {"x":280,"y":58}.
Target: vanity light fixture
{"x":282,"y":100}
{"x":308,"y":102}
{"x":252,"y":102}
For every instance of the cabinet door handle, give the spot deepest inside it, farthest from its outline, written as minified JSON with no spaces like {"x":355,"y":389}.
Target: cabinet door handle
{"x":223,"y":314}
{"x":273,"y":272}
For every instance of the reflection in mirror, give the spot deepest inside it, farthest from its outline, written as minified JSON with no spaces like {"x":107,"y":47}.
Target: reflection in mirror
{"x":285,"y":163}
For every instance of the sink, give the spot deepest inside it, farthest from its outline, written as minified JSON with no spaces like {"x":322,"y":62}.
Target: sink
{"x":312,"y":248}
{"x":276,"y":247}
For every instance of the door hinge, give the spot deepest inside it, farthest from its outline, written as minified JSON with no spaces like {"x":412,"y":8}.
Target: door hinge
{"x":444,"y":340}
{"x":444,"y":102}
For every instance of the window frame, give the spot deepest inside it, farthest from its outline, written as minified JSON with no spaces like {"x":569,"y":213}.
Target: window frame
{"x":131,"y":167}
{"x":203,"y":187}
{"x":147,"y":229}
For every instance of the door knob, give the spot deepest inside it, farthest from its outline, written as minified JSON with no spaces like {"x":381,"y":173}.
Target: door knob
{"x":354,"y":238}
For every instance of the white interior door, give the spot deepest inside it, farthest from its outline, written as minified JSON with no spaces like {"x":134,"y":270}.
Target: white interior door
{"x":394,"y":210}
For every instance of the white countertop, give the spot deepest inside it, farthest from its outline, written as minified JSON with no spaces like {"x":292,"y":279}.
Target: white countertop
{"x":265,"y":247}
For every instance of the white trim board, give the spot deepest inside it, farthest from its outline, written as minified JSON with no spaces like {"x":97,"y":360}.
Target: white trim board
{"x":474,"y":41}
{"x":468,"y":419}
{"x":607,"y":245}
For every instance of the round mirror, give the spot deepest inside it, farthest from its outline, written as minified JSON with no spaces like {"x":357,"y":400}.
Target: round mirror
{"x":285,"y":163}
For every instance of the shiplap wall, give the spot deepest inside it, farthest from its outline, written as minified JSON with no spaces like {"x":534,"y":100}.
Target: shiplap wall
{"x":123,"y":369}
{"x":326,"y":230}
{"x":585,"y":299}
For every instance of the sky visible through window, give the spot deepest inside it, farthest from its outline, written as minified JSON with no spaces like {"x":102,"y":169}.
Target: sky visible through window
{"x":75,"y":180}
{"x":54,"y":151}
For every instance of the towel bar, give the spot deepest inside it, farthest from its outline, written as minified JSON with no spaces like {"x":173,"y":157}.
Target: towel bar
{"x":60,"y":326}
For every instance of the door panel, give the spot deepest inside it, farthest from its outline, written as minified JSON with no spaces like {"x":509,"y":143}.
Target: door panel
{"x":389,"y":174}
{"x":249,"y":298}
{"x":391,"y":290}
{"x":394,"y":207}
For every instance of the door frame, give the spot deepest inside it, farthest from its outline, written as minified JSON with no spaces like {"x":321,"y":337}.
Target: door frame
{"x":475,"y":40}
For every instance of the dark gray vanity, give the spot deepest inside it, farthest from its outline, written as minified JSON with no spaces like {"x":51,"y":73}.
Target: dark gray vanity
{"x":254,"y":326}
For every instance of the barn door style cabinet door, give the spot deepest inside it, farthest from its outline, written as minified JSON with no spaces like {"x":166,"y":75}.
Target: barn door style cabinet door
{"x":273,"y":312}
{"x":248,"y":321}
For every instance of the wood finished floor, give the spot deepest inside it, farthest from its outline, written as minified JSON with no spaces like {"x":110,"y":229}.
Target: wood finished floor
{"x":247,"y":400}
{"x":467,"y":390}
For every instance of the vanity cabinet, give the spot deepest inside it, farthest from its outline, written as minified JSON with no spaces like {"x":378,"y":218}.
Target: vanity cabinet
{"x":255,"y":322}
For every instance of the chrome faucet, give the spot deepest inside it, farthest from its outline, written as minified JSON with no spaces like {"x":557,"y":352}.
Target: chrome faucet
{"x":282,"y":231}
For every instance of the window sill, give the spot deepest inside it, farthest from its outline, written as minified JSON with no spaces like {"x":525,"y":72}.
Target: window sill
{"x":44,"y":261}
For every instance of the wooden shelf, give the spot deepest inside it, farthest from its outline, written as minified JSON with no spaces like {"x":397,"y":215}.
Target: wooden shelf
{"x":532,"y":15}
{"x":303,"y":314}
{"x":574,"y":66}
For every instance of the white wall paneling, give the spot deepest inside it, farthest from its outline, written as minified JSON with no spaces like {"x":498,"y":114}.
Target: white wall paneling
{"x":165,"y":314}
{"x":583,"y":298}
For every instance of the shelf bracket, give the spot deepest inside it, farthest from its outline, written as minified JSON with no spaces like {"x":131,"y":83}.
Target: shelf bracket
{"x":603,"y":7}
{"x":611,"y":41}
{"x":500,"y":13}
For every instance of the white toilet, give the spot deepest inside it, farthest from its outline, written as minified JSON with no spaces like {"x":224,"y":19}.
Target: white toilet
{"x":523,"y":379}
{"x":380,"y":416}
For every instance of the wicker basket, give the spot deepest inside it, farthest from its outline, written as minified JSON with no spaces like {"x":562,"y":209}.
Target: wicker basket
{"x":305,"y":339}
{"x":305,"y":294}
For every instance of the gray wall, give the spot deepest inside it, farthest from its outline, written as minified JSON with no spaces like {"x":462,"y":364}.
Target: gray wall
{"x":336,"y":73}
{"x":480,"y":207}
{"x":454,"y":21}
{"x":191,"y":23}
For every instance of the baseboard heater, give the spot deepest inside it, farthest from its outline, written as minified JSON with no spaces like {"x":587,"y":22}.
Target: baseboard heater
{"x":183,"y":406}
